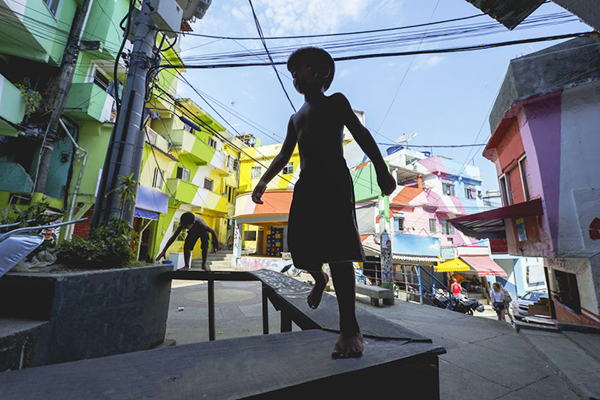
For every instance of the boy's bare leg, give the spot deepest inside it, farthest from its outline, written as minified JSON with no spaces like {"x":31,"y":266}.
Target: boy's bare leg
{"x":321,"y":279}
{"x":204,"y":258}
{"x":350,"y":342}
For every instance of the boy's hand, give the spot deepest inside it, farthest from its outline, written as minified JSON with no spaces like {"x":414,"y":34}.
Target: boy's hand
{"x":258,"y":191}
{"x":387,"y":183}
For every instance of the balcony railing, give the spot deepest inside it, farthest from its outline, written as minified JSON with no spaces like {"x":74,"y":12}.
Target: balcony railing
{"x":185,"y":142}
{"x":12,"y":107}
{"x":88,"y":101}
{"x":189,"y":193}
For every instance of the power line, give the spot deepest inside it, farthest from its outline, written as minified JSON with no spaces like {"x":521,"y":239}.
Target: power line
{"x":407,"y":71}
{"x":264,"y":43}
{"x":397,"y":28}
{"x":396,"y":54}
{"x":434,"y":146}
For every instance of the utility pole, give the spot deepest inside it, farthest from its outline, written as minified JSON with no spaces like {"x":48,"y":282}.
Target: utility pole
{"x":387,"y":269}
{"x":126,"y":146}
{"x":67,"y":68}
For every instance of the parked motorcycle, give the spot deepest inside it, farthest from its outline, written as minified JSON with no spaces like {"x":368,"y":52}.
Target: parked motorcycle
{"x":456,"y":303}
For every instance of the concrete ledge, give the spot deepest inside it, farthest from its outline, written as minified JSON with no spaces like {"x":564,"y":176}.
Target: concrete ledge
{"x":89,"y":313}
{"x":289,"y":365}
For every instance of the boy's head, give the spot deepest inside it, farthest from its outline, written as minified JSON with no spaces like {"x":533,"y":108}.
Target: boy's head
{"x":311,"y":67}
{"x":187,"y":220}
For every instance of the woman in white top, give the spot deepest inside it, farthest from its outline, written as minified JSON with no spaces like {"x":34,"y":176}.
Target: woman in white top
{"x":497,"y":296}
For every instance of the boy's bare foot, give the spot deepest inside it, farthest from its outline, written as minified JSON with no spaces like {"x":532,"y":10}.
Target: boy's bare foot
{"x":314,"y":298}
{"x":348,"y":346}
{"x":184,"y":269}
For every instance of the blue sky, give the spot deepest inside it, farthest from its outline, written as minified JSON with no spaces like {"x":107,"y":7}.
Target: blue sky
{"x":445,"y":99}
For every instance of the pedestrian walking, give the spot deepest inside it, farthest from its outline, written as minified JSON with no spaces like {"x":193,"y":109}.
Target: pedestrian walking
{"x":324,"y":191}
{"x":507,"y":301}
{"x":497,"y":296}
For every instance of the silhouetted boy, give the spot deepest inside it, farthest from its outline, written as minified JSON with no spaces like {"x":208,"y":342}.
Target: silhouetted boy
{"x":322,"y":224}
{"x":197,"y":229}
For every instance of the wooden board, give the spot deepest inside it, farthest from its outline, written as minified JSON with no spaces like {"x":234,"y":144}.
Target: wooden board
{"x":290,"y":294}
{"x":270,"y":365}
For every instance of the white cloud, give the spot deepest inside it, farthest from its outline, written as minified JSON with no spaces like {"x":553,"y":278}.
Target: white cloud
{"x":288,"y":17}
{"x":429,"y":61}
{"x":344,"y":73}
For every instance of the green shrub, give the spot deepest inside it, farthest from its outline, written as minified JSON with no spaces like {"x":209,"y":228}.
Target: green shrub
{"x":107,"y":246}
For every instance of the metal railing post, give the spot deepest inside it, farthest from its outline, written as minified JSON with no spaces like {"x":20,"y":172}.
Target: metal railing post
{"x":211,"y":309}
{"x":265,"y":310}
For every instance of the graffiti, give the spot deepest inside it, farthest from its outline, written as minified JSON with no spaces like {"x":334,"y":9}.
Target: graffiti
{"x":255,"y":263}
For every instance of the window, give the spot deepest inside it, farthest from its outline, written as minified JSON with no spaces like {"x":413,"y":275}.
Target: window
{"x":447,"y":228}
{"x":101,"y":80}
{"x":432,"y":225}
{"x":212,"y":143}
{"x":157,"y":180}
{"x":470,"y":192}
{"x":399,"y":222}
{"x":52,"y":5}
{"x":229,"y":193}
{"x":255,"y":172}
{"x":208,"y":184}
{"x":448,"y":188}
{"x":183,"y":174}
{"x":188,"y":128}
{"x":288,"y":169}
{"x":523,"y":167}
{"x":507,"y":198}
{"x":250,"y":235}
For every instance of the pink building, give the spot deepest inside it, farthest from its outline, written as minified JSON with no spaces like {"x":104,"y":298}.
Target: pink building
{"x":545,"y":145}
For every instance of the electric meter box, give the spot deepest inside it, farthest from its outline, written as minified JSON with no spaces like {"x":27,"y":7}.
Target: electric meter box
{"x":194,"y":8}
{"x":167,"y":15}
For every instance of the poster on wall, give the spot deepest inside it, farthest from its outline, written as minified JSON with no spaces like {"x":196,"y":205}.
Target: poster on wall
{"x":522,"y":234}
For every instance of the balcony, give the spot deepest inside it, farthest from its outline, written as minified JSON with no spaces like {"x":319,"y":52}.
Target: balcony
{"x":189,"y":193}
{"x":12,"y":108}
{"x":89,"y":102}
{"x":185,"y":142}
{"x":21,"y":28}
{"x":155,"y":139}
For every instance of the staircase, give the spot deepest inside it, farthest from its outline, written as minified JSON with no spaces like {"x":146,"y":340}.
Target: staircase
{"x":216,"y":261}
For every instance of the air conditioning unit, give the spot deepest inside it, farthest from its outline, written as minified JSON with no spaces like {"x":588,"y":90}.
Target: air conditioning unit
{"x":194,"y":8}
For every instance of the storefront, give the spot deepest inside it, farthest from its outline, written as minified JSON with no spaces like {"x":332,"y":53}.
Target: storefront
{"x":149,"y":205}
{"x":260,"y":231}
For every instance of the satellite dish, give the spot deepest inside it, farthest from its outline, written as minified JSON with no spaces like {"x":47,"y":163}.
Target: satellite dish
{"x":406,"y":138}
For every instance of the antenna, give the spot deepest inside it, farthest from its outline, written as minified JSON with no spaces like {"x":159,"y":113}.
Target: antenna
{"x":406,"y":138}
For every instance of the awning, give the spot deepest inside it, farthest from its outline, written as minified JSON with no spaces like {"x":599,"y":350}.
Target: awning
{"x":151,"y":200}
{"x":145,"y":214}
{"x":490,"y":224}
{"x":453,"y":265}
{"x":484,"y":265}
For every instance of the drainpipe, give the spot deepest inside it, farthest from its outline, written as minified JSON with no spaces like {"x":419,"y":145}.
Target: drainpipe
{"x":69,"y":228}
{"x":67,"y":69}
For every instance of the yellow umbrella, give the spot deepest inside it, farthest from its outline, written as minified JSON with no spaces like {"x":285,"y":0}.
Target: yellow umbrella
{"x":454,"y":265}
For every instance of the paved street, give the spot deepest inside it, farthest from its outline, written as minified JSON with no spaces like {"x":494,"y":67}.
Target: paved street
{"x":486,"y":359}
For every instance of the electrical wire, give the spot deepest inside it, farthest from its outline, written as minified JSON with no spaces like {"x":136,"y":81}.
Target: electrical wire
{"x":264,"y":43}
{"x":397,"y":28}
{"x":118,"y":56}
{"x":398,"y":54}
{"x":407,"y":70}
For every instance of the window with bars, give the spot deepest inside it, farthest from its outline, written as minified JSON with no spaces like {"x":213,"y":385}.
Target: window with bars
{"x":470,"y":192}
{"x":432,"y":225}
{"x":212,"y":143}
{"x":208,"y":184}
{"x":52,"y":5}
{"x":183,"y":174}
{"x":101,"y":80}
{"x":447,"y":228}
{"x":157,"y":179}
{"x":448,"y":188}
{"x":255,"y":173}
{"x":288,"y":169}
{"x":523,"y":167}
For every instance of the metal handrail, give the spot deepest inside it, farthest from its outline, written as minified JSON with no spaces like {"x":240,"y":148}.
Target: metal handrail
{"x":37,"y":228}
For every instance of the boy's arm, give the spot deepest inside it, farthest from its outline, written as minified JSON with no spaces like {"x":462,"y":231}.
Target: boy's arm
{"x":169,"y":243}
{"x":287,"y":149}
{"x":366,"y":142}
